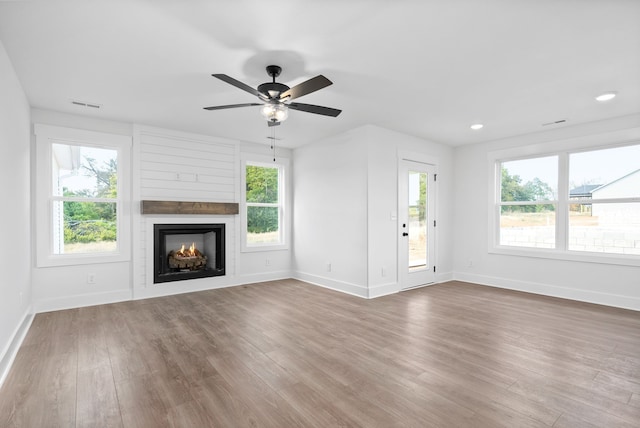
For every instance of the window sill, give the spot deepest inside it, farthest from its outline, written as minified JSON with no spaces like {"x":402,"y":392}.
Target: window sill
{"x":81,"y":259}
{"x":257,"y":248}
{"x":585,"y":257}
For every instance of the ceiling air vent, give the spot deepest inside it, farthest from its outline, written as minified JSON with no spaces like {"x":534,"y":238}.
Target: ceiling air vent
{"x":557,"y":122}
{"x":85,"y":104}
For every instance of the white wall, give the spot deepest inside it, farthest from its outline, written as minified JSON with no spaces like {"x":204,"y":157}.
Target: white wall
{"x":607,"y":284}
{"x":330,"y":213}
{"x":384,"y":147}
{"x":15,"y":260}
{"x":345,"y":193}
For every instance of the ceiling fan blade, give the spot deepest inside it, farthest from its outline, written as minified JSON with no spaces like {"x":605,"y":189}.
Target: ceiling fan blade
{"x":307,"y":87}
{"x":232,"y":106}
{"x":310,"y":108}
{"x":271,"y":123}
{"x":239,"y":84}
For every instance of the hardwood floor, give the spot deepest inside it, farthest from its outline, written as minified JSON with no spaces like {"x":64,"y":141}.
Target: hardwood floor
{"x":289,"y":354}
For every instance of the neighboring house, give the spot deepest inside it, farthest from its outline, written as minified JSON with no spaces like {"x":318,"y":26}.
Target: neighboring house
{"x":627,"y":186}
{"x":581,"y":193}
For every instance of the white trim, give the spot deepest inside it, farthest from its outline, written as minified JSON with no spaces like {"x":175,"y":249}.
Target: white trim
{"x":46,"y":135}
{"x":341,"y":286}
{"x":82,"y":300}
{"x":614,"y":300}
{"x":11,"y":349}
{"x":383,"y":290}
{"x":284,"y":190}
{"x":432,"y":163}
{"x":562,"y":149}
{"x":181,"y":287}
{"x":263,"y":277}
{"x":203,"y":284}
{"x":576,"y":256}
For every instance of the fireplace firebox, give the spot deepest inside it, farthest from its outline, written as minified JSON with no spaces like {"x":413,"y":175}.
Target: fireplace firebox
{"x":188,"y":251}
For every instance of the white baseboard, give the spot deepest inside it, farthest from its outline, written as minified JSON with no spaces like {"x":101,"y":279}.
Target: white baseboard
{"x":618,"y":301}
{"x":263,"y":277}
{"x":81,"y":300}
{"x":383,"y":290}
{"x":359,"y":290}
{"x":201,"y":284}
{"x":180,"y":287}
{"x":345,"y":287}
{"x":444,"y":277}
{"x":11,"y":350}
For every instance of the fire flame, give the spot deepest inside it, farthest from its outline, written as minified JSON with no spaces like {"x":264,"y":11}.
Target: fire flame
{"x":190,"y":252}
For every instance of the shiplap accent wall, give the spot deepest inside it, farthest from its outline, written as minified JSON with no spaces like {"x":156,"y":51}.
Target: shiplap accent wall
{"x":176,"y":166}
{"x":185,"y":169}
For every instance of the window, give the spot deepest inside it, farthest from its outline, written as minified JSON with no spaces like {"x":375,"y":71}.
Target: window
{"x":264,"y":205}
{"x":528,"y":204}
{"x":80,"y":182}
{"x":605,"y":186}
{"x":582,"y":203}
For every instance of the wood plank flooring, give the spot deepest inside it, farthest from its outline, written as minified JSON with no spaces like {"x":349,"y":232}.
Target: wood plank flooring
{"x":290,"y":354}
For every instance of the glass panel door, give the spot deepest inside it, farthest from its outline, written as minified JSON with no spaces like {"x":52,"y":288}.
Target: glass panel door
{"x":416,"y":213}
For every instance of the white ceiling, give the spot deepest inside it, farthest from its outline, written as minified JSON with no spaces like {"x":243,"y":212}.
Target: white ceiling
{"x":425,"y":68}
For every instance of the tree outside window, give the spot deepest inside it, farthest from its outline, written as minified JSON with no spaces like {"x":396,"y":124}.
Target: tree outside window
{"x":263,"y":204}
{"x":527,"y":205}
{"x":85,"y":192}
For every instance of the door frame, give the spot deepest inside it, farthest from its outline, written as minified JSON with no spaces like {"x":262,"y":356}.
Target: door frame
{"x":431,"y":162}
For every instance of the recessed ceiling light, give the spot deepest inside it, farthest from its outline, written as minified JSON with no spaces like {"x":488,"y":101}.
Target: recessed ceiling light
{"x":477,"y":126}
{"x":607,"y":96}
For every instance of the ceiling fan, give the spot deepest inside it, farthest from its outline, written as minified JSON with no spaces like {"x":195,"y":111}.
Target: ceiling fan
{"x":276,"y":97}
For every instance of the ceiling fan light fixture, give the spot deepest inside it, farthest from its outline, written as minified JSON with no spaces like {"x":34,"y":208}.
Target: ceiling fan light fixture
{"x":607,"y":96}
{"x":275,"y":112}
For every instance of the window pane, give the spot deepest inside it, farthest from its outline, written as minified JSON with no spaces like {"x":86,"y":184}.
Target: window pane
{"x":262,"y":184}
{"x":84,"y":171}
{"x":610,"y":173}
{"x":84,"y":227}
{"x":417,"y":220}
{"x":263,"y":225}
{"x":529,"y":179}
{"x":605,"y":228}
{"x":528,"y":226}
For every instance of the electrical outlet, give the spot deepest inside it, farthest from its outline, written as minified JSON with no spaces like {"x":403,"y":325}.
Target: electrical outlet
{"x":383,"y":271}
{"x":91,"y":278}
{"x":328,"y":267}
{"x":267,"y":262}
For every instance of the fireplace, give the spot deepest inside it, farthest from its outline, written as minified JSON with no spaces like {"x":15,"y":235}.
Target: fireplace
{"x":187,"y":251}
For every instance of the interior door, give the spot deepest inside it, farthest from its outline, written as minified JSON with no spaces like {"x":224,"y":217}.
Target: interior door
{"x":416,"y":220}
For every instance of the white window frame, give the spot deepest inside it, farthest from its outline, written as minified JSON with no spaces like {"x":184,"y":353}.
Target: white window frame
{"x":283,"y":204}
{"x":563,"y":149}
{"x":46,"y":136}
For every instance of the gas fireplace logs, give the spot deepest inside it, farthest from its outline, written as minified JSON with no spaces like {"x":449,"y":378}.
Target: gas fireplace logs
{"x":187,"y":259}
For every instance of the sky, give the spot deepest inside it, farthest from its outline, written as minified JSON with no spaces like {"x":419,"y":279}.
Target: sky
{"x":79,"y":179}
{"x":594,"y":167}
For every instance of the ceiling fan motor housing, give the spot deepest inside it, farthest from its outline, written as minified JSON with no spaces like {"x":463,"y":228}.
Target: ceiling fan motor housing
{"x":272,"y":89}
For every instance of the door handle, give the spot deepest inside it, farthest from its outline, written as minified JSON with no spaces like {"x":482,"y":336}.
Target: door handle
{"x":405,"y":234}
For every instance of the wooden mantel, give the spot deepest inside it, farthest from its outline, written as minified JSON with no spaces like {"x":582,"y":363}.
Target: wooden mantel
{"x":184,"y":207}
